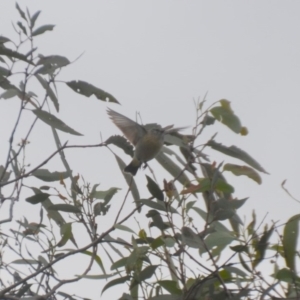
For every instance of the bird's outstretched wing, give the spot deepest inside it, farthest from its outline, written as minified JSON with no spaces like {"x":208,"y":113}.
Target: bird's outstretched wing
{"x":132,"y":130}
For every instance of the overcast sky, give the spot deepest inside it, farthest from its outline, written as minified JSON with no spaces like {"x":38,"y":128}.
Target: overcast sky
{"x":155,"y":58}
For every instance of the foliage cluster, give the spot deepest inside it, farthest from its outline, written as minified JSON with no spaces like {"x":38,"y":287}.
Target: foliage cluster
{"x":172,"y":258}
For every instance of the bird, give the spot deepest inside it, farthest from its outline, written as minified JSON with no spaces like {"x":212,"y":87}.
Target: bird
{"x":147,"y":142}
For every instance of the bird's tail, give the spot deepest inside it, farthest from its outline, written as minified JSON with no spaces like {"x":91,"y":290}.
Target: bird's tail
{"x":133,"y":167}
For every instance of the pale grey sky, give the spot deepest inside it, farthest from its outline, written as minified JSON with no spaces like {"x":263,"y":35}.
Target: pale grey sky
{"x":156,"y":57}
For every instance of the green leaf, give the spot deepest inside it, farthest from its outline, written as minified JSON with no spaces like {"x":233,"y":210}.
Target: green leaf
{"x":158,"y":205}
{"x":154,"y":189}
{"x":106,"y":195}
{"x":33,"y":18}
{"x":38,"y":198}
{"x":171,"y":286}
{"x":115,"y":282}
{"x":46,"y":175}
{"x":25,"y":262}
{"x":191,"y":239}
{"x":225,"y":115}
{"x":129,"y":180}
{"x":223,"y":186}
{"x":97,"y":259}
{"x":66,"y":233}
{"x":119,"y":263}
{"x":219,"y":239}
{"x":42,"y":29}
{"x":65,"y":207}
{"x":122,"y":227}
{"x":243,"y":170}
{"x":54,"y":121}
{"x":172,"y":168}
{"x":147,"y":273}
{"x":290,"y":241}
{"x":158,"y":242}
{"x":235,"y":152}
{"x":239,"y":248}
{"x":286,"y":275}
{"x":262,"y":246}
{"x":87,"y":89}
{"x":49,"y":91}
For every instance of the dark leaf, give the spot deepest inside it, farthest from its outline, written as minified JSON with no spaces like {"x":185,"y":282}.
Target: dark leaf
{"x":4,"y":39}
{"x":54,"y":122}
{"x":235,"y":152}
{"x":87,"y":89}
{"x":22,"y":27}
{"x":290,"y":241}
{"x":49,"y":91}
{"x":38,"y":198}
{"x":33,"y":18}
{"x":120,"y":142}
{"x":65,"y":207}
{"x":46,"y":175}
{"x":115,"y":282}
{"x":158,"y":205}
{"x":13,"y":54}
{"x":225,"y":115}
{"x":42,"y":29}
{"x":154,"y":189}
{"x":243,"y":170}
{"x":22,"y":14}
{"x":170,"y":286}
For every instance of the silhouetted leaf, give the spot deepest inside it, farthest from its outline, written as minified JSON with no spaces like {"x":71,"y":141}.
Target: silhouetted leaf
{"x":22,"y":14}
{"x":51,"y":63}
{"x":120,"y":142}
{"x":243,"y":170}
{"x":290,"y":241}
{"x":237,"y":153}
{"x":22,"y":27}
{"x":87,"y":89}
{"x":154,"y":189}
{"x":14,"y":54}
{"x":42,"y":29}
{"x":115,"y":282}
{"x":54,"y":121}
{"x":33,"y":18}
{"x":38,"y":198}
{"x":225,"y":114}
{"x":170,"y":286}
{"x":46,"y":175}
{"x":65,"y":207}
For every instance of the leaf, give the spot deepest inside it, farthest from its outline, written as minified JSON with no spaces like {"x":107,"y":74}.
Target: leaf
{"x":191,"y":239}
{"x":42,"y":29}
{"x":54,"y":122}
{"x":66,"y":233}
{"x":115,"y":282}
{"x":9,"y":94}
{"x":25,"y":261}
{"x":262,"y":246}
{"x":243,"y":170}
{"x":290,"y":241}
{"x":154,"y":189}
{"x":162,"y":206}
{"x":87,"y":89}
{"x":38,"y":198}
{"x":13,"y":54}
{"x":171,"y":286}
{"x":65,"y":207}
{"x":49,"y":91}
{"x":286,"y":275}
{"x":46,"y":175}
{"x":235,"y":152}
{"x":147,"y":273}
{"x":106,"y":195}
{"x":22,"y":27}
{"x":97,"y":260}
{"x":51,"y":63}
{"x":225,"y":115}
{"x":33,"y":18}
{"x":120,"y":142}
{"x":22,"y":14}
{"x":125,"y":228}
{"x":172,"y":168}
{"x":130,"y":181}
{"x":4,"y":39}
